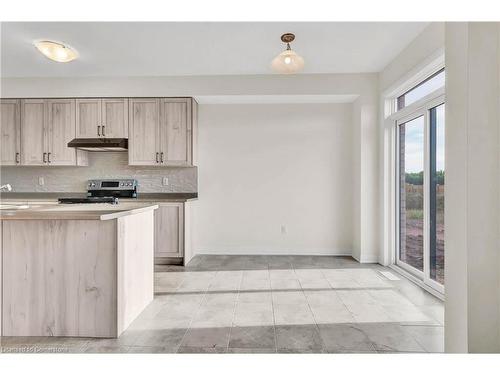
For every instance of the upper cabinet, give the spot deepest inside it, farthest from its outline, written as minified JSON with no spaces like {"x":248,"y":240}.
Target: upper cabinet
{"x":88,"y":118}
{"x":102,"y":118}
{"x":175,"y":132}
{"x":60,"y":131}
{"x":144,"y":130}
{"x":34,"y":147}
{"x":47,"y":125}
{"x":161,"y":131}
{"x":10,"y":128}
{"x":114,"y":115}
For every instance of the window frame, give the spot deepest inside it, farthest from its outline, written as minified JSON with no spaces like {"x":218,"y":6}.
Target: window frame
{"x":398,"y":99}
{"x":420,"y":108}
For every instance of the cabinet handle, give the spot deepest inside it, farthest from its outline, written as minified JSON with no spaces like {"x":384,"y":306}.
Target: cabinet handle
{"x":161,"y":157}
{"x":157,"y":157}
{"x":48,"y":157}
{"x":17,"y":158}
{"x":98,"y":130}
{"x":45,"y":157}
{"x":102,"y":132}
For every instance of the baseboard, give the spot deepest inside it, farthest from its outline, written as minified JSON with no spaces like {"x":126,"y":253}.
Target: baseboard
{"x":367,"y":259}
{"x":166,"y":261}
{"x":314,"y":252}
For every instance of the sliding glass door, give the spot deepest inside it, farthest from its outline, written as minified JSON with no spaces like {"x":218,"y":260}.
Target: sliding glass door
{"x":411,"y":198}
{"x":420,"y":193}
{"x":436,"y":193}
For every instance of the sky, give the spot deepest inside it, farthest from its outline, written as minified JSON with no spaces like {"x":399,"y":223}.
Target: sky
{"x":414,"y":143}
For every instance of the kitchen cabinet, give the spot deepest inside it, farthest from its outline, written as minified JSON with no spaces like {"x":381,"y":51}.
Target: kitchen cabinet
{"x":143,"y":140}
{"x":102,"y":118}
{"x":10,"y":128}
{"x":175,"y":132}
{"x":33,"y":132}
{"x":60,"y":131}
{"x":161,"y":131}
{"x":169,"y":230}
{"x":46,"y":128}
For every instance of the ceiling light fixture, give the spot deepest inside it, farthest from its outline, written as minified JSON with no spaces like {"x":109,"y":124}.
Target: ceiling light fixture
{"x":288,"y":61}
{"x":56,"y":51}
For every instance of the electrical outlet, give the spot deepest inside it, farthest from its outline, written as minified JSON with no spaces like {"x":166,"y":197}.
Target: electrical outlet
{"x":283,"y":229}
{"x":41,"y":181}
{"x":165,"y":181}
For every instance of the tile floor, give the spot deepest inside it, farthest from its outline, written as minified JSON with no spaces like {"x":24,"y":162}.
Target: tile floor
{"x":270,"y":304}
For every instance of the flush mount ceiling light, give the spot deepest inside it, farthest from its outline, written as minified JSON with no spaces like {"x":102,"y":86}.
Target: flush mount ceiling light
{"x":288,"y":61}
{"x":56,"y":51}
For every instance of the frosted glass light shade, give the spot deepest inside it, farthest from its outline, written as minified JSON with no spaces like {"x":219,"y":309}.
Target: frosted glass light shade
{"x":56,"y":51}
{"x":288,"y":62}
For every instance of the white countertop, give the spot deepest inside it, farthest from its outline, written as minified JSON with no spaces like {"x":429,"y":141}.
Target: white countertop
{"x":81,"y":211}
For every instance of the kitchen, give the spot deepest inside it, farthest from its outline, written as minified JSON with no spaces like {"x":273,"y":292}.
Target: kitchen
{"x":248,"y":187}
{"x":194,"y":213}
{"x":63,"y":132}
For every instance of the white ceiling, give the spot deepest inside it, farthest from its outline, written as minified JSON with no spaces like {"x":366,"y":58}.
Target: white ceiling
{"x":183,"y":48}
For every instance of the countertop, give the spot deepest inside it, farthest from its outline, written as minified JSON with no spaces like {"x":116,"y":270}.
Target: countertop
{"x":147,"y":197}
{"x":92,"y":211}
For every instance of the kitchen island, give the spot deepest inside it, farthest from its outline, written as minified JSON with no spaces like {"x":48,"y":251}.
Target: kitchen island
{"x":81,"y":270}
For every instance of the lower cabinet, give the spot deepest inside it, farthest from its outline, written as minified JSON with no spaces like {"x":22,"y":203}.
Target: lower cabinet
{"x":169,"y":231}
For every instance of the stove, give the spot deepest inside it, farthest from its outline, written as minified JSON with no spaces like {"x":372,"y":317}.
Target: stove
{"x":112,"y":200}
{"x":106,"y":191}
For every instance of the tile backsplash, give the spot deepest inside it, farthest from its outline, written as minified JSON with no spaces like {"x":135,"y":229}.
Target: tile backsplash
{"x":101,"y":165}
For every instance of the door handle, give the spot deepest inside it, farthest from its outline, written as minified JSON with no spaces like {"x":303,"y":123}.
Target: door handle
{"x":161,"y":157}
{"x":45,"y":157}
{"x":98,"y":130}
{"x":157,"y":157}
{"x":48,"y":157}
{"x":102,"y":132}
{"x":17,"y":158}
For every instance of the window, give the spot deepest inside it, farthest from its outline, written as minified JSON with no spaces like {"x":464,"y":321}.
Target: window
{"x":424,"y":88}
{"x":411,"y":194}
{"x":420,"y":179}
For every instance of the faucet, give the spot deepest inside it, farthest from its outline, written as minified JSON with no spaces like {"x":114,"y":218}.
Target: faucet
{"x":6,"y":187}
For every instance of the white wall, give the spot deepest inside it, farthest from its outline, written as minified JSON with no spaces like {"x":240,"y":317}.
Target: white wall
{"x":261,"y":166}
{"x":366,"y":226}
{"x":275,"y":84}
{"x":426,"y":44}
{"x":472,"y":200}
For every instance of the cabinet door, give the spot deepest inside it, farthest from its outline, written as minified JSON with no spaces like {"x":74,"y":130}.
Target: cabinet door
{"x":88,"y":118}
{"x":169,"y":230}
{"x":143,"y":132}
{"x":33,"y":132}
{"x":10,"y":128}
{"x":114,"y":118}
{"x":175,"y":131}
{"x":60,"y":130}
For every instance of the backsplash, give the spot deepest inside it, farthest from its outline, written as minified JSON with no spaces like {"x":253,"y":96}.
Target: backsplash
{"x":101,"y":165}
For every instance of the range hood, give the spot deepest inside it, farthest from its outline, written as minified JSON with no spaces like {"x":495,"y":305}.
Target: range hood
{"x":100,"y":144}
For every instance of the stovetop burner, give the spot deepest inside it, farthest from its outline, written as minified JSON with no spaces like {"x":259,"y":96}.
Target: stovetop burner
{"x":112,"y":200}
